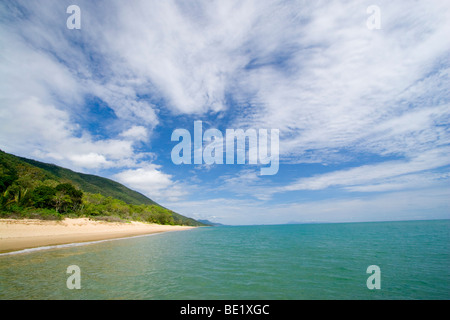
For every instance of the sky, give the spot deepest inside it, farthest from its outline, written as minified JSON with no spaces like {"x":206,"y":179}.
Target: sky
{"x":360,"y":99}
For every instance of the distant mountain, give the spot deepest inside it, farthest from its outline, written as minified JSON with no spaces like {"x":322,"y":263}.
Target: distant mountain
{"x":34,"y":170}
{"x":209,"y":223}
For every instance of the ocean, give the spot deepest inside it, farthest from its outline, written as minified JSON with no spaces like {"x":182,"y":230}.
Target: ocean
{"x":270,"y":262}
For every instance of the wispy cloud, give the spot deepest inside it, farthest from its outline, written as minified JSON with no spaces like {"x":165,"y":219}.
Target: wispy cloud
{"x":343,"y":84}
{"x":373,"y":173}
{"x":46,"y":78}
{"x":341,"y":95}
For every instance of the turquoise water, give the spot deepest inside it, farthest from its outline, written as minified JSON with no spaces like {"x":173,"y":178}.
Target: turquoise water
{"x":316,"y":261}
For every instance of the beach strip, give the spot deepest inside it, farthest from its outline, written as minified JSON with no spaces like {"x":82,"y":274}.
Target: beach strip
{"x":20,"y":234}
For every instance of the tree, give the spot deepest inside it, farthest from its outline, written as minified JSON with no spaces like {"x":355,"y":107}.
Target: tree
{"x":5,"y":200}
{"x":62,"y":202}
{"x":22,"y":197}
{"x":42,"y":197}
{"x":67,"y":198}
{"x":7,"y":177}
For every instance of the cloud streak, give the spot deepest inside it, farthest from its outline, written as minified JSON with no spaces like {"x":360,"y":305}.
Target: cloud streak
{"x":369,"y":174}
{"x":370,"y":106}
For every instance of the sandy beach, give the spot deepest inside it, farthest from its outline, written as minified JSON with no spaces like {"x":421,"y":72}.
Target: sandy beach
{"x":30,"y":233}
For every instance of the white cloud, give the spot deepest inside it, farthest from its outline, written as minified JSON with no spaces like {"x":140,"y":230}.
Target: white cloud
{"x":137,"y":133}
{"x":187,"y":52}
{"x":373,"y":173}
{"x":341,"y":83}
{"x":46,"y":76}
{"x":403,"y":182}
{"x":154,"y":183}
{"x":91,"y":160}
{"x":122,"y":98}
{"x":41,"y":130}
{"x":312,"y":70}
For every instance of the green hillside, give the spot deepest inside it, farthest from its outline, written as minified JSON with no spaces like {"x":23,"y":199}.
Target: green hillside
{"x":92,"y":184}
{"x":29,"y":187}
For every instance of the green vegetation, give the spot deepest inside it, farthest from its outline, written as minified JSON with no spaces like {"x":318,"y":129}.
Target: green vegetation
{"x":90,"y":183}
{"x":32,"y":189}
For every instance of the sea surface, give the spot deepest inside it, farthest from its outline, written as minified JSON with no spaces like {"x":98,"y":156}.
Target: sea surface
{"x":280,"y":262}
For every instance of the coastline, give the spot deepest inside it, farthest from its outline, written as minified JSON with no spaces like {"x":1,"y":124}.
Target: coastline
{"x":21,"y":234}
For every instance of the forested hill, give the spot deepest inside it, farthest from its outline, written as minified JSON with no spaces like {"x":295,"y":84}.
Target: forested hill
{"x":92,"y":184}
{"x":31,"y":186}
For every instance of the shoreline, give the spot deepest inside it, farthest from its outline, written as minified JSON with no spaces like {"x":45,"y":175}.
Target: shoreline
{"x":22,"y":234}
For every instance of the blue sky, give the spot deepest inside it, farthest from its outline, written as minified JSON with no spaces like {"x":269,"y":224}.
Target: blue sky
{"x":363,"y":114}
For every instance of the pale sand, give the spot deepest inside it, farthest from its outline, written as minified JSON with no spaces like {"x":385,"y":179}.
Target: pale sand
{"x":30,"y":233}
